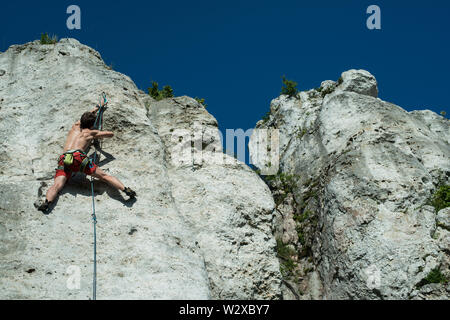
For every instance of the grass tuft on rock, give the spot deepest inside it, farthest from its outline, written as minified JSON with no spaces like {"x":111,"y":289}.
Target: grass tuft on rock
{"x":266,"y":117}
{"x":46,"y":39}
{"x":201,"y":101}
{"x":434,"y":276}
{"x":285,"y":253}
{"x":441,"y":198}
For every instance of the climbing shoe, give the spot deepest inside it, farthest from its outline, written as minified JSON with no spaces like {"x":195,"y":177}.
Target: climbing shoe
{"x":129,"y":192}
{"x":44,"y":206}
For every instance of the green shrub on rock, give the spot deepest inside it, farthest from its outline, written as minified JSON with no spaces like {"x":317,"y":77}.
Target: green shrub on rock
{"x":201,"y":101}
{"x":46,"y":39}
{"x":434,"y":276}
{"x":154,"y":92}
{"x":289,"y":87}
{"x":441,"y":198}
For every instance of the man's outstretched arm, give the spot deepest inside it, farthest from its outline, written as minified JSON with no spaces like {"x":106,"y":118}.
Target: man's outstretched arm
{"x":97,"y":134}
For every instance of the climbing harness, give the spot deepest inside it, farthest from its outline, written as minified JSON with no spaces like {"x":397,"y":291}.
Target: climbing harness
{"x":68,"y":160}
{"x":99,"y":126}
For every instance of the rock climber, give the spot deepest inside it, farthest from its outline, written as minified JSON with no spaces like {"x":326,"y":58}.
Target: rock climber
{"x":75,"y":159}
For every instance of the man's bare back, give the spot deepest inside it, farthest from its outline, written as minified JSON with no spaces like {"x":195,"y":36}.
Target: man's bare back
{"x":79,"y":139}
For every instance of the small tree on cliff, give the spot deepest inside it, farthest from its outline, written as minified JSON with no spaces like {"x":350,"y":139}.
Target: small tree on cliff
{"x":154,"y":92}
{"x":289,"y":87}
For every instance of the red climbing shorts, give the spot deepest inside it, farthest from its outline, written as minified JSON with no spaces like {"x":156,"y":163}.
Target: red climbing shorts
{"x":78,"y":158}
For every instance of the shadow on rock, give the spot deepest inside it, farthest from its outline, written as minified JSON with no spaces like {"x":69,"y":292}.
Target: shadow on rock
{"x":108,"y":157}
{"x":79,"y":184}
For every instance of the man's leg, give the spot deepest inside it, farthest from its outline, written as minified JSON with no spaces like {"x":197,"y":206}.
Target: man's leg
{"x":57,"y":186}
{"x":93,"y":170}
{"x":52,"y":193}
{"x":113,"y":181}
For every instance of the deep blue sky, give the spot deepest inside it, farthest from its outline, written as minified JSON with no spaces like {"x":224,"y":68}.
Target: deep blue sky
{"x":233,"y":53}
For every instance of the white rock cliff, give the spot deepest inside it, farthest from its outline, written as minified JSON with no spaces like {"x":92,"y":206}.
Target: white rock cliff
{"x":200,"y":230}
{"x":348,"y":213}
{"x":356,"y":174}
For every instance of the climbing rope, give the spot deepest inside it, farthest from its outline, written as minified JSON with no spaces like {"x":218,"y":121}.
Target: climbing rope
{"x":99,"y":126}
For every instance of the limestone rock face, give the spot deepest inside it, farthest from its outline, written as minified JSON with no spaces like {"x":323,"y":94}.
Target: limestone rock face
{"x":356,"y":174}
{"x":199,"y":229}
{"x":359,"y":81}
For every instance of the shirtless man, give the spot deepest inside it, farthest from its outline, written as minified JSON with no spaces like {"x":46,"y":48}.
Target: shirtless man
{"x":78,"y":140}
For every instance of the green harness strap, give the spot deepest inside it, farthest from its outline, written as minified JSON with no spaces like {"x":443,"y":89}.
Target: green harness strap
{"x":68,"y":159}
